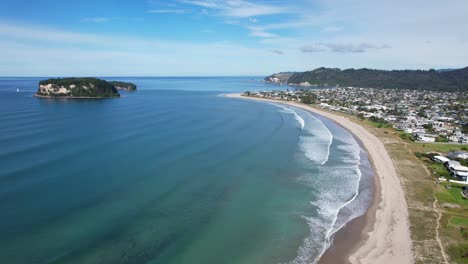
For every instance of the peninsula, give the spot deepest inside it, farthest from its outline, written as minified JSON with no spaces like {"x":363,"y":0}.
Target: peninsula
{"x":442,"y":80}
{"x":81,"y":88}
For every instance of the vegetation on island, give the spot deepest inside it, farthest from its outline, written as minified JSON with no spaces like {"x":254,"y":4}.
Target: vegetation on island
{"x":77,"y":87}
{"x":450,"y":80}
{"x":124,"y":86}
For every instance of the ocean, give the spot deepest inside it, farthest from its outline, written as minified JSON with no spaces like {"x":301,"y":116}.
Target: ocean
{"x":172,"y":173}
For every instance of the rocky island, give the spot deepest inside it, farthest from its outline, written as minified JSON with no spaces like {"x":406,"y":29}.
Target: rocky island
{"x":80,"y":88}
{"x":126,"y":86}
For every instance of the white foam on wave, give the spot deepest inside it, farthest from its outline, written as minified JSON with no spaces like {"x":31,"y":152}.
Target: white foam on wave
{"x":316,"y":149}
{"x":298,"y":118}
{"x":334,"y":228}
{"x":339,"y":187}
{"x":324,"y":226}
{"x":317,"y":141}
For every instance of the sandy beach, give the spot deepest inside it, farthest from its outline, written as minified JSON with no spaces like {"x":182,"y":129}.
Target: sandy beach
{"x":385,"y":234}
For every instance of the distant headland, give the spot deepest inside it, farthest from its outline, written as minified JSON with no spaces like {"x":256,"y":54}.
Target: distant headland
{"x":81,"y":88}
{"x":435,"y":80}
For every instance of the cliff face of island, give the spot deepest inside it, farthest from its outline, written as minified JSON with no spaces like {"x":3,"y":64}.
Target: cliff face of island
{"x":80,"y":88}
{"x":451,"y":80}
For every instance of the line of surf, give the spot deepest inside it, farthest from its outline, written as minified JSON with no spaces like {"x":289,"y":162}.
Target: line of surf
{"x":298,"y":118}
{"x":329,"y":137}
{"x":332,"y":230}
{"x":329,"y":142}
{"x":304,"y":125}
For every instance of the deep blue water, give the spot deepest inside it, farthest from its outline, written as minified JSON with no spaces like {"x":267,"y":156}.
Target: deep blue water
{"x":172,"y":173}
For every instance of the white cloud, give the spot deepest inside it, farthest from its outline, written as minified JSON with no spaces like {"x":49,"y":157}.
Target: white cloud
{"x":253,"y":19}
{"x":208,"y":31}
{"x":312,"y":48}
{"x":331,"y":29}
{"x":278,"y":52}
{"x":341,"y":47}
{"x":259,"y":32}
{"x":232,"y":22}
{"x":239,"y":8}
{"x":168,"y":11}
{"x":359,"y":34}
{"x":203,"y":3}
{"x":39,"y":51}
{"x":95,"y":19}
{"x":262,"y":34}
{"x":46,"y":34}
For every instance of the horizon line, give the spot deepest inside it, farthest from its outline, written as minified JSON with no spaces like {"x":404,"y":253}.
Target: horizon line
{"x":138,"y":76}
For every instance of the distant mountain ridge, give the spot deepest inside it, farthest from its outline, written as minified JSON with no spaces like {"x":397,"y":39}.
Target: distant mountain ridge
{"x":453,"y":80}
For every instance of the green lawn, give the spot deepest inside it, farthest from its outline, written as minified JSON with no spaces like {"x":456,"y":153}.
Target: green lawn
{"x":459,"y":221}
{"x":452,"y":195}
{"x":438,"y":169}
{"x":441,"y":147}
{"x":459,"y":253}
{"x":378,"y":124}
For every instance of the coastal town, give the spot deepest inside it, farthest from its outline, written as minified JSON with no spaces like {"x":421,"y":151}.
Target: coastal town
{"x":426,"y":116}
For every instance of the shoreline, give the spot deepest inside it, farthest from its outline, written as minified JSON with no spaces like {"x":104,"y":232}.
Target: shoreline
{"x":382,"y":234}
{"x":348,"y":239}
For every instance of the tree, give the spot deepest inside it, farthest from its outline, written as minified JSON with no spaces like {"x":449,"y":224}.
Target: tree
{"x":308,"y":98}
{"x":464,"y":128}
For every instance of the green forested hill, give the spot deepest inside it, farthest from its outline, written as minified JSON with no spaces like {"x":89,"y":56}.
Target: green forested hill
{"x":76,"y":87}
{"x":454,"y":80}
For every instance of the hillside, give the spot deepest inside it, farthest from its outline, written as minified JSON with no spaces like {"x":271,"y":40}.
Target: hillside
{"x":454,"y":80}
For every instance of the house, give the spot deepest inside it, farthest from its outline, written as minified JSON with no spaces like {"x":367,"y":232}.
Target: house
{"x":459,"y":155}
{"x":452,"y":163}
{"x":424,"y":138}
{"x":461,"y":175}
{"x":441,"y":159}
{"x":459,"y":168}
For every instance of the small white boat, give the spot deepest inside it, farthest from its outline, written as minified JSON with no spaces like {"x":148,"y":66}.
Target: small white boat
{"x":17,"y":89}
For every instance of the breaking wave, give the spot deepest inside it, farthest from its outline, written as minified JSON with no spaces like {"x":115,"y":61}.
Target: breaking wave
{"x":298,"y":118}
{"x":341,"y":197}
{"x":316,"y":139}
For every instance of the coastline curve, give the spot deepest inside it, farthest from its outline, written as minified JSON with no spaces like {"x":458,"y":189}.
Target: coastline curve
{"x":387,"y":237}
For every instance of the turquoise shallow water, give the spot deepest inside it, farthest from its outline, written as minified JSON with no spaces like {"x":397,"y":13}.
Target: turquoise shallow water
{"x":173,"y":173}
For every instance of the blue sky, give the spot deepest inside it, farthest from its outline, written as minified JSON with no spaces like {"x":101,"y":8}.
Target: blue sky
{"x":233,"y":37}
